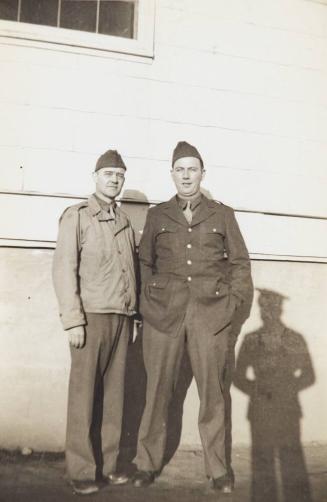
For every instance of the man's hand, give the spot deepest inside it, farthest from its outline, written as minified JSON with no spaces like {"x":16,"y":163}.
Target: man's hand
{"x":76,"y":336}
{"x":137,"y":326}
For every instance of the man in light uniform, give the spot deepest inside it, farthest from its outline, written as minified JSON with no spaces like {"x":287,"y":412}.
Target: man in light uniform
{"x":188,"y":297}
{"x":94,"y":280}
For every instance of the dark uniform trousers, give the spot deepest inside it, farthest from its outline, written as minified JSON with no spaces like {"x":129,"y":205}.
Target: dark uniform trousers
{"x":162,"y":358}
{"x":99,"y":364}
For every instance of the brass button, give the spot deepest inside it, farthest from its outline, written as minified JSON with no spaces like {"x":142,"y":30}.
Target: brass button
{"x":189,"y":262}
{"x":189,"y":278}
{"x":189,"y":229}
{"x":214,"y":230}
{"x":189,"y":246}
{"x":217,"y":292}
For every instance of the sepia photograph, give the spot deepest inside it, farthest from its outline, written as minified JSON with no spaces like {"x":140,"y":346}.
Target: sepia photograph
{"x":163,"y":244}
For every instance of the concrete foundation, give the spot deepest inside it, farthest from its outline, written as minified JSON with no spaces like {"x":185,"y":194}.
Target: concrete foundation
{"x":35,"y":356}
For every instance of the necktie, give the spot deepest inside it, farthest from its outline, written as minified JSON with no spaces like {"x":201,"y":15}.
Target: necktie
{"x":188,"y":212}
{"x":112,"y":212}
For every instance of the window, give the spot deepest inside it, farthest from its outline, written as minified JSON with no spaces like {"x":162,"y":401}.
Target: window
{"x":117,"y":25}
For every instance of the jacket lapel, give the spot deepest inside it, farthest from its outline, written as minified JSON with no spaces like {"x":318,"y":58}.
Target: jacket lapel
{"x":96,"y":209}
{"x":121,"y":222}
{"x":206,"y":209}
{"x":174,"y":212}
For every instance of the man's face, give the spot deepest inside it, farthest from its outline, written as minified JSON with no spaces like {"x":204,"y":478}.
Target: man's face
{"x":109,"y":181}
{"x":187,"y":174}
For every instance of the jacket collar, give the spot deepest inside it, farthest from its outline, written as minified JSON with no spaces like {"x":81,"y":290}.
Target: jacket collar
{"x":96,"y":209}
{"x":173,"y":211}
{"x":102,"y":215}
{"x":206,"y":209}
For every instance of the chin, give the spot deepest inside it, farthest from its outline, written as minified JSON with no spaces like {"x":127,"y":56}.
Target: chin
{"x":111,"y":194}
{"x":187,"y":193}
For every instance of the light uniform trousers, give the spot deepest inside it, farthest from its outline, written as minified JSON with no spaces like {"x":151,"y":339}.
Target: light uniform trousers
{"x":162,"y":358}
{"x":100,"y":364}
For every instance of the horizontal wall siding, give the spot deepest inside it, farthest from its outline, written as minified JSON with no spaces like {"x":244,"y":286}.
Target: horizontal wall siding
{"x":245,"y":82}
{"x":34,"y":219}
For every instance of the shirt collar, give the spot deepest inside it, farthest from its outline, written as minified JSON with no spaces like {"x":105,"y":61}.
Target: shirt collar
{"x":105,"y":206}
{"x":194,"y":202}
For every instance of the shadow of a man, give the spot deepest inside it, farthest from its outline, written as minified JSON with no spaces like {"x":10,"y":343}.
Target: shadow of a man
{"x":272,"y":367}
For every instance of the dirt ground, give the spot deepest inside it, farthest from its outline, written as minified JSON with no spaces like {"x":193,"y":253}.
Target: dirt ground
{"x":40,"y":477}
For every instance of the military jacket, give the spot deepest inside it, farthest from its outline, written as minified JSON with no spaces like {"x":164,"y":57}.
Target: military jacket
{"x":205,"y":261}
{"x":94,"y":263}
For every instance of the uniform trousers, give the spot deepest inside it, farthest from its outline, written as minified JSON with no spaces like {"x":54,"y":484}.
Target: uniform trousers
{"x":97,"y":372}
{"x":162,"y":358}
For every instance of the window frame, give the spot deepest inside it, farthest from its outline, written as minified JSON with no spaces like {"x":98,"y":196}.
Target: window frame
{"x":42,"y":35}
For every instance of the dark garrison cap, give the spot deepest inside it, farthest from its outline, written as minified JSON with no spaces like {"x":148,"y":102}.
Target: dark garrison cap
{"x":110,"y":158}
{"x":270,"y":296}
{"x":184,"y":149}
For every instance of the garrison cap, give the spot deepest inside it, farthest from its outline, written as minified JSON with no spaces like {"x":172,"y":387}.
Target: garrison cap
{"x":184,"y":149}
{"x":110,"y":158}
{"x":272,"y":297}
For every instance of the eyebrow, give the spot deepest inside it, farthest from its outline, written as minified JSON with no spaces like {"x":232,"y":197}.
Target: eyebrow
{"x":112,"y":170}
{"x":188,"y":167}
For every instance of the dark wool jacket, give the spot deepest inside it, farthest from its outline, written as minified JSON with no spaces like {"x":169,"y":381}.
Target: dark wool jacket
{"x":180,"y":262}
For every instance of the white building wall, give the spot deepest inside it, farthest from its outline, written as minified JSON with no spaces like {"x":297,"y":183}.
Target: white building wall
{"x":245,"y":81}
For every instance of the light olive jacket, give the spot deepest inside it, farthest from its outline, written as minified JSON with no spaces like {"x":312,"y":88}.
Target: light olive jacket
{"x":94,"y":263}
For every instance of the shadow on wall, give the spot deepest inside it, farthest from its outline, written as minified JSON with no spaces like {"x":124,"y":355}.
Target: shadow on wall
{"x":272,"y":367}
{"x":135,"y":205}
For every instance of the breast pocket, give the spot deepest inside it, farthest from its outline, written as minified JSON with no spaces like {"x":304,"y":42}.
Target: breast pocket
{"x":212,"y":241}
{"x":167,"y":239}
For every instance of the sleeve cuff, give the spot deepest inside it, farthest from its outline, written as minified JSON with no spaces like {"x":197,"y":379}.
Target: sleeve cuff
{"x":70,"y":321}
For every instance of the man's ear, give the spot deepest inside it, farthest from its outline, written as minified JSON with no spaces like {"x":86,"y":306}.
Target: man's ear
{"x":203,"y":174}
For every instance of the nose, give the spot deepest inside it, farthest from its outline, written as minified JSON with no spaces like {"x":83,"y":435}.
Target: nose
{"x":185,"y":175}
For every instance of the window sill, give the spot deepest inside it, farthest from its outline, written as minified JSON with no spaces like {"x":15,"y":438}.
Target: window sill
{"x":61,"y":39}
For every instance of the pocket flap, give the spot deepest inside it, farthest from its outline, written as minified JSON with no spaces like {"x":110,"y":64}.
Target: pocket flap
{"x":213,"y":229}
{"x":166,"y":229}
{"x":158,"y":282}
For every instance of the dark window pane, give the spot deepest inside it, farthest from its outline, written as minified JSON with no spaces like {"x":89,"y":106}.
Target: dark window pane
{"x":116,"y":18}
{"x":9,"y":9}
{"x":78,"y":14}
{"x":39,"y":12}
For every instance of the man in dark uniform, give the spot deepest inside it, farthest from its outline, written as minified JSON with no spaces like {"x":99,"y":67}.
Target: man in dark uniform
{"x":189,"y":298}
{"x":94,"y":279}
